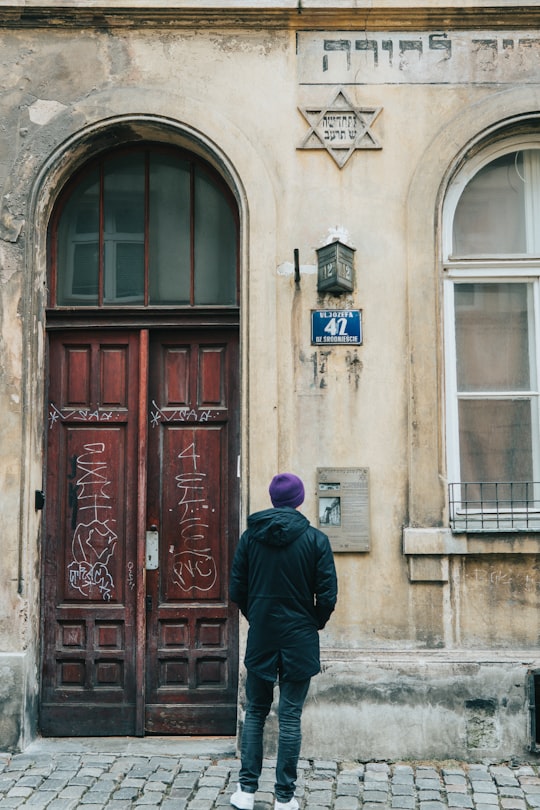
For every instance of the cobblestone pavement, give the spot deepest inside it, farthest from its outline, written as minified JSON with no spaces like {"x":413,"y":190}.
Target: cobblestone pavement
{"x":60,"y":776}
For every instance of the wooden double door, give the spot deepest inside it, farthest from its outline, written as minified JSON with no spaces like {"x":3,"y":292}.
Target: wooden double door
{"x":141,"y":520}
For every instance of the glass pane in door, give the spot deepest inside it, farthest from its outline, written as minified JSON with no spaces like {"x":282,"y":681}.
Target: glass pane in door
{"x":123,"y":215}
{"x":169,"y":235}
{"x":78,"y":246}
{"x":215,"y":244}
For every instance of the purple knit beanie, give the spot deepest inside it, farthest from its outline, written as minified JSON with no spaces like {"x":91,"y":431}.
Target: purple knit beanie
{"x":286,"y":489}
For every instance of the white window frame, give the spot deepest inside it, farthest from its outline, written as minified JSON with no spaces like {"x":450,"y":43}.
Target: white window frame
{"x":477,"y":269}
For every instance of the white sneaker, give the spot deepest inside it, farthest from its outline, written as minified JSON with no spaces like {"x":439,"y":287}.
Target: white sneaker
{"x":292,"y":804}
{"x":242,"y":800}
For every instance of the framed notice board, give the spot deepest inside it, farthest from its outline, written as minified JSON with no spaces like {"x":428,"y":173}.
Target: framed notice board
{"x":343,"y":507}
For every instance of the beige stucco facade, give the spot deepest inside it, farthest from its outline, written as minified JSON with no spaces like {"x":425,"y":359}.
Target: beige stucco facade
{"x":434,"y":632}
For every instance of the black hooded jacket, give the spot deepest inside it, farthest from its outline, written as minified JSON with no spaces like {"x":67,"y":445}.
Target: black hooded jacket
{"x":284,"y":581}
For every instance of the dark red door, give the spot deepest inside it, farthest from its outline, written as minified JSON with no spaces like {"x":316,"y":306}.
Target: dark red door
{"x":129,"y":452}
{"x":191,"y":666}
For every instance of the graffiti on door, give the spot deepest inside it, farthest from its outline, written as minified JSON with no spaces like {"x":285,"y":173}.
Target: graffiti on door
{"x":94,"y":539}
{"x":193,"y":568}
{"x":184,"y":414}
{"x":81,"y":415}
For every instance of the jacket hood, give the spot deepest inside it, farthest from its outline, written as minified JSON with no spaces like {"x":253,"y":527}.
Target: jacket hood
{"x":277,"y":527}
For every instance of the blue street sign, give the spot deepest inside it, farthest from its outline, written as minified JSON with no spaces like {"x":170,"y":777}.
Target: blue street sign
{"x":336,"y":326}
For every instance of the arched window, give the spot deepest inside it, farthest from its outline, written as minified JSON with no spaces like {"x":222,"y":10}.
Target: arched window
{"x":492,"y":337}
{"x":145,"y":226}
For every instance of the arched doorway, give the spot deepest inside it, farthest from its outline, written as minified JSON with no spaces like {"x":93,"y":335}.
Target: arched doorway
{"x":143,"y":442}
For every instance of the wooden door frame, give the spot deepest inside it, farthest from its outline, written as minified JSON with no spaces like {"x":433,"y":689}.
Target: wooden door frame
{"x":140,"y":696}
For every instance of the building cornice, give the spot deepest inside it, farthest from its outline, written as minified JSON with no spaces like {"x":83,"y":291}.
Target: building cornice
{"x":295,"y":15}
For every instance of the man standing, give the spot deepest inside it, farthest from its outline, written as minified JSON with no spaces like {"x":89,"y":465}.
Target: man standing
{"x":284,"y":581}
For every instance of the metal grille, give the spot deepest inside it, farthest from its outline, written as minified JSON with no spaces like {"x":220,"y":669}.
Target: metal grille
{"x":494,"y":506}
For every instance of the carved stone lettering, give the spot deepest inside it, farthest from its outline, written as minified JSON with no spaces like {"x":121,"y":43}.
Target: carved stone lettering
{"x":340,"y":127}
{"x":440,"y":57}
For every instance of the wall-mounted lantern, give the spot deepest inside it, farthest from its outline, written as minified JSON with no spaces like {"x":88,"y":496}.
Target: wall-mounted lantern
{"x":335,"y":268}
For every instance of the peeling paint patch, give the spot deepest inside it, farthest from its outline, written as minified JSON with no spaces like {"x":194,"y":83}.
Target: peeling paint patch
{"x":43,"y":111}
{"x":481,"y":724}
{"x":318,"y":362}
{"x":287,"y":269}
{"x":7,"y":682}
{"x":232,"y":44}
{"x":323,"y":368}
{"x":354,"y":367}
{"x":313,"y":360}
{"x":338,"y":232}
{"x":10,"y":225}
{"x":8,"y":262}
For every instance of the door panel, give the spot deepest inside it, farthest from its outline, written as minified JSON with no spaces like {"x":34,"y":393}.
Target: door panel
{"x":108,"y":470}
{"x":192,"y":630}
{"x":88,"y":684}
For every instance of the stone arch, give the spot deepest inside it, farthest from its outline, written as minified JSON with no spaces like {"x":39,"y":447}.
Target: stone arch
{"x":58,"y":147}
{"x":48,"y":157}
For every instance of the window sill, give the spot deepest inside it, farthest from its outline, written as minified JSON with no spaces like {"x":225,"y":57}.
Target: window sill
{"x":439,"y":541}
{"x":428,"y":550}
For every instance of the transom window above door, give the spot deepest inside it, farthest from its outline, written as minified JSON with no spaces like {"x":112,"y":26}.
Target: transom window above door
{"x":492,"y":341}
{"x":145,"y":227}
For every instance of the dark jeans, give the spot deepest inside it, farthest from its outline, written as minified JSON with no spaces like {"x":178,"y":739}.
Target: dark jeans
{"x":292,"y":695}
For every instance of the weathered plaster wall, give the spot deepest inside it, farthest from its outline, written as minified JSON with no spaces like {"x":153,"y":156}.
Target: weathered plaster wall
{"x":471,"y":708}
{"x":234,"y":95}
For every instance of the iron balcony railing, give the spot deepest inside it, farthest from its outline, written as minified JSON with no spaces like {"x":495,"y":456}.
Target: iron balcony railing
{"x":494,"y":506}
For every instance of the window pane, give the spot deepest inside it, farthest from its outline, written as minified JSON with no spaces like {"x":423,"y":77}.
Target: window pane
{"x":492,"y":337}
{"x":166,"y":230}
{"x":85,"y":278}
{"x":78,"y":246}
{"x":169,"y":237}
{"x":123,"y":206}
{"x":490,"y":216}
{"x":129,"y":270}
{"x":495,"y":440}
{"x":215,"y":245}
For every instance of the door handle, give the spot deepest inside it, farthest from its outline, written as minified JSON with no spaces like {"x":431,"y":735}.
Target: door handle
{"x":152,"y":549}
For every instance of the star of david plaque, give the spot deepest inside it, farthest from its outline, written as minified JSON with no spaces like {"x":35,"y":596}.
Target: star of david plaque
{"x":340,"y":127}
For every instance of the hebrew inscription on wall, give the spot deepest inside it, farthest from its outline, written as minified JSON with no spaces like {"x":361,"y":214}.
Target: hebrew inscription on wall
{"x":340,"y":127}
{"x":448,"y":57}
